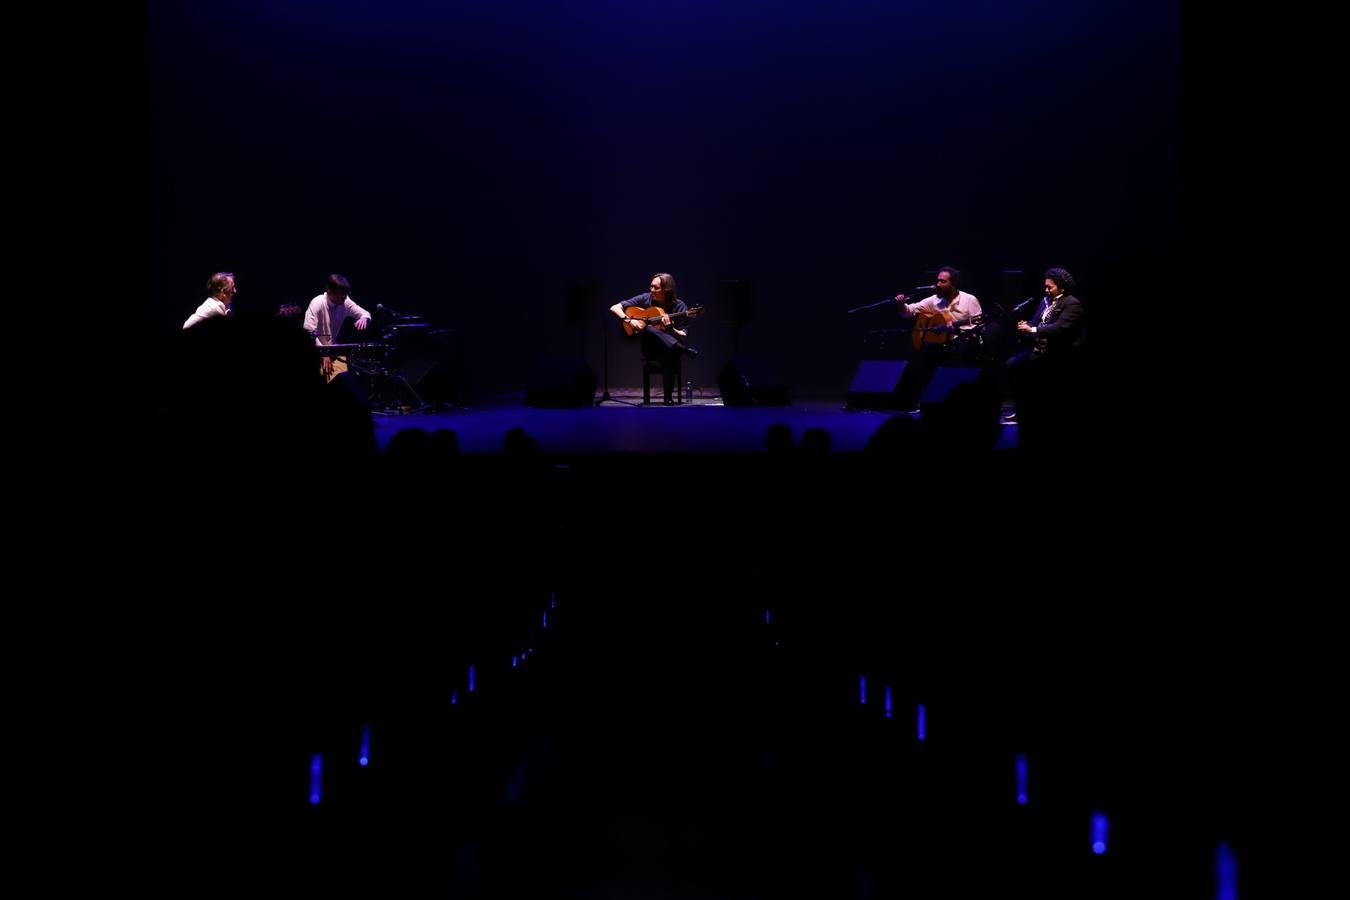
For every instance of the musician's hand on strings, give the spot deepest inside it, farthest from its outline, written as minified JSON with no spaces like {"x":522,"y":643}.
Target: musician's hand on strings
{"x":327,"y":366}
{"x":638,"y":323}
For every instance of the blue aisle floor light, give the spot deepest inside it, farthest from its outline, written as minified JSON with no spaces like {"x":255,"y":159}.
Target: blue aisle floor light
{"x":316,"y":779}
{"x":1225,"y":873}
{"x":1099,"y":833}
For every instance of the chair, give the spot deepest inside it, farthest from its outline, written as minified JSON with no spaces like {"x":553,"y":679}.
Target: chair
{"x":653,"y":366}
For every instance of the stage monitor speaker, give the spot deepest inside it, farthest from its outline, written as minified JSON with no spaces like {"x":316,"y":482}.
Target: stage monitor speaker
{"x":743,"y":385}
{"x":877,"y":384}
{"x":944,"y":379}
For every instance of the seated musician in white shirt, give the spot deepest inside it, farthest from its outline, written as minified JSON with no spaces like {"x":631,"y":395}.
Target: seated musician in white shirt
{"x":325,"y":316}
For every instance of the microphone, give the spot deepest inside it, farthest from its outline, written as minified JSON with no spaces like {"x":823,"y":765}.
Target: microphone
{"x":919,"y":290}
{"x":392,"y":312}
{"x":1025,"y":303}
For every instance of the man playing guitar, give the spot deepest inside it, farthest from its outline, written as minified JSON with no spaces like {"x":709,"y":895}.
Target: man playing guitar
{"x":653,"y":316}
{"x":947,"y":312}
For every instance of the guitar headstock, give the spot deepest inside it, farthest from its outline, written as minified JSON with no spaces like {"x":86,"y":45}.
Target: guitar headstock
{"x":694,"y":311}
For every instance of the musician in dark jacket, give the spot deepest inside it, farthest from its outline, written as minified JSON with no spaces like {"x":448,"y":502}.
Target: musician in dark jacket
{"x":1057,"y":323}
{"x":661,"y":338}
{"x":1057,"y":327}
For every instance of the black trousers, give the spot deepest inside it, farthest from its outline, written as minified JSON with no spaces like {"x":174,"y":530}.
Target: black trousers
{"x":665,"y":349}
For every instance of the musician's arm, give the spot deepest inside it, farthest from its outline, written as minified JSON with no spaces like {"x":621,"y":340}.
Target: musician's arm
{"x":1070,"y":314}
{"x":910,"y":310}
{"x":362,"y":317}
{"x":680,"y":308}
{"x":312,"y":321}
{"x":620,"y":309}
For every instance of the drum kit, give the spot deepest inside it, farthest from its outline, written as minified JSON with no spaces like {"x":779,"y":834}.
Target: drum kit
{"x":967,"y":341}
{"x":378,"y":365}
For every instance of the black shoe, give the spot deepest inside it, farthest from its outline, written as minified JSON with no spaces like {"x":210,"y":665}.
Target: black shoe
{"x":693,"y":354}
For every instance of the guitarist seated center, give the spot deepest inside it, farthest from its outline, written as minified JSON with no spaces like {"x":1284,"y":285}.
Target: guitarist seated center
{"x":661,"y":336}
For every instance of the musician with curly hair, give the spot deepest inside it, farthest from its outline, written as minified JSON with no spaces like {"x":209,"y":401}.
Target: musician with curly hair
{"x":1057,"y":328}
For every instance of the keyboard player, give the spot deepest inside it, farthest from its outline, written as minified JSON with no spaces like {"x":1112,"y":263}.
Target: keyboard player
{"x":324,"y":319}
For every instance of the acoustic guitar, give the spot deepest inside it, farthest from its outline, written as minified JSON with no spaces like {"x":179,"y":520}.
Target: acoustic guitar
{"x":935,"y":327}
{"x":638,"y":312}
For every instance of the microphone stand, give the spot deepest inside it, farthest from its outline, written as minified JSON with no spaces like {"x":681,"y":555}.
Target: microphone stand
{"x":871,"y":305}
{"x":604,"y":344}
{"x":914,"y":290}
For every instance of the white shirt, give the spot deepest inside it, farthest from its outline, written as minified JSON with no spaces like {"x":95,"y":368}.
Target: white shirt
{"x":210,"y":307}
{"x":963,"y":308}
{"x":324,"y":320}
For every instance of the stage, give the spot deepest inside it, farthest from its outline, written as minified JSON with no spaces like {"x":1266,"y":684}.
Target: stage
{"x":704,"y":426}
